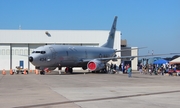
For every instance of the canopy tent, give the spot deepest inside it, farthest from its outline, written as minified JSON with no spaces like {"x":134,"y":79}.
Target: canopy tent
{"x":161,"y":61}
{"x":175,"y":61}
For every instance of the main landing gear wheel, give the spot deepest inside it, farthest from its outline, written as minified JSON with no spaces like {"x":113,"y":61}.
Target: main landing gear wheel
{"x":42,"y":72}
{"x":70,"y":70}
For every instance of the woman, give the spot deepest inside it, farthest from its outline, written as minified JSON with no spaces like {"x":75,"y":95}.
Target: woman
{"x":129,"y":71}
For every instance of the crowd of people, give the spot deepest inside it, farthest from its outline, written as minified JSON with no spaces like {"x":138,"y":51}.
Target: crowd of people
{"x":159,"y":69}
{"x":113,"y":68}
{"x":151,"y":69}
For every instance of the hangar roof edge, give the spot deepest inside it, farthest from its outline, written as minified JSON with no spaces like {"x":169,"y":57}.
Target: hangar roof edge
{"x":51,"y":30}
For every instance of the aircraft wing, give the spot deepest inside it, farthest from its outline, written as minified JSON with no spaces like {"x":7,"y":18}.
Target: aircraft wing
{"x":128,"y":57}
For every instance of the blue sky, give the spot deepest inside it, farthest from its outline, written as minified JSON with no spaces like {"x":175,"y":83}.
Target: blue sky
{"x":151,"y":23}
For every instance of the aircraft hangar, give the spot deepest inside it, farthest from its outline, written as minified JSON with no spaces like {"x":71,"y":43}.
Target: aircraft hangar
{"x":16,"y":45}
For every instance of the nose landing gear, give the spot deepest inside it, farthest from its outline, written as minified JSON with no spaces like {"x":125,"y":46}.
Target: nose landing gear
{"x":42,"y":72}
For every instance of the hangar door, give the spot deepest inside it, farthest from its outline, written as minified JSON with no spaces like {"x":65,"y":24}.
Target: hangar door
{"x":4,"y":57}
{"x":19,"y":55}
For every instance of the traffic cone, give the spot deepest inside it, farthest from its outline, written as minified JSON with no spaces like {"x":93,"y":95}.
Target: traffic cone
{"x":11,"y":72}
{"x":4,"y":72}
{"x":37,"y":72}
{"x":25,"y":72}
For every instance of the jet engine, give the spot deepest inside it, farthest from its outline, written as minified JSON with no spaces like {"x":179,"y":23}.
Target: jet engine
{"x":95,"y":65}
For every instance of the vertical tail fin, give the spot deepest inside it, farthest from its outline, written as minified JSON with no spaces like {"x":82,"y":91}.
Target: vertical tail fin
{"x":110,"y":41}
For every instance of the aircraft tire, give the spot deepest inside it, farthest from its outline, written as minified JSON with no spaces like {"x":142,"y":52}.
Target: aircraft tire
{"x":42,"y":72}
{"x":70,"y":70}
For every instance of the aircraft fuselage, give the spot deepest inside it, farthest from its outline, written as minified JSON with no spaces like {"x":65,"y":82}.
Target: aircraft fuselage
{"x":67,"y":55}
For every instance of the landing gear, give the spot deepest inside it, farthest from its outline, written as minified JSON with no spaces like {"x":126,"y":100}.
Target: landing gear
{"x":69,"y":70}
{"x":42,"y":72}
{"x":84,"y":68}
{"x":100,"y":71}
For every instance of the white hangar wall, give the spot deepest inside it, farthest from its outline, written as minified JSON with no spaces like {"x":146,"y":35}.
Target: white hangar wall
{"x":56,"y":36}
{"x":14,"y":43}
{"x":4,"y":56}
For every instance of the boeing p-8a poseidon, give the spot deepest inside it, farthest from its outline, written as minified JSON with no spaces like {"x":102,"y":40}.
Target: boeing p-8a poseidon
{"x":92,"y":58}
{"x":52,"y":56}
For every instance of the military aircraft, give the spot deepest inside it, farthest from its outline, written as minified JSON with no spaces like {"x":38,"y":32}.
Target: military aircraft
{"x":92,"y":58}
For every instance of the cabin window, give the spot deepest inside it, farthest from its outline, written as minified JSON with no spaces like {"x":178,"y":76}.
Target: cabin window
{"x":42,"y":52}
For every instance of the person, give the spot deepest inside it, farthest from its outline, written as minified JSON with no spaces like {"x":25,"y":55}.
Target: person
{"x":127,"y":66}
{"x":150,"y":69}
{"x":124,"y":68}
{"x":59,"y":68}
{"x":129,"y":71}
{"x":111,"y":68}
{"x":140,"y":68}
{"x":108,"y":68}
{"x":162,"y":70}
{"x":120,"y":67}
{"x":114,"y":69}
{"x":66,"y":70}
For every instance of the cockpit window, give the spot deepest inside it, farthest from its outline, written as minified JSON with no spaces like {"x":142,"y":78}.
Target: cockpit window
{"x":42,"y":52}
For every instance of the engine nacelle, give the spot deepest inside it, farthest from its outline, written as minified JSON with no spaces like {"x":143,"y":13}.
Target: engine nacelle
{"x":95,"y":65}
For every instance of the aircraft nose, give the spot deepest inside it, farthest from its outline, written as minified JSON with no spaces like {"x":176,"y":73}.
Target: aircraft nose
{"x":30,"y":59}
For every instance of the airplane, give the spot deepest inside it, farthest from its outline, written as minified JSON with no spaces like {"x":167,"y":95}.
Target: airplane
{"x":49,"y":57}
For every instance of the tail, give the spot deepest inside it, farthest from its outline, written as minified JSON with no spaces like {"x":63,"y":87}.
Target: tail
{"x":110,"y":41}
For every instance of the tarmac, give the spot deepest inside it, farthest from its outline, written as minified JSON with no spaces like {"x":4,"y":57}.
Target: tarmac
{"x":89,"y":90}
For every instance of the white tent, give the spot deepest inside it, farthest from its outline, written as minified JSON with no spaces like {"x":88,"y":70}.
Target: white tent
{"x":175,"y":61}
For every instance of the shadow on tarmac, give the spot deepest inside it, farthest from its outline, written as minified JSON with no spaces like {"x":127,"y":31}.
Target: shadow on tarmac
{"x":74,"y":73}
{"x":98,"y":99}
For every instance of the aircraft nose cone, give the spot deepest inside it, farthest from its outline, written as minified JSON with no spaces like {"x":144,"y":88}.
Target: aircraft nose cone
{"x":30,"y":59}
